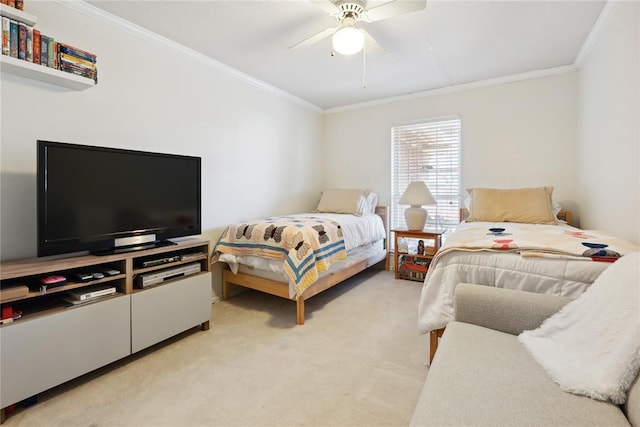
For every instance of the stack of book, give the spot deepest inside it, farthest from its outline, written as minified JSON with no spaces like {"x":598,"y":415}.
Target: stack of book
{"x":25,"y":42}
{"x":88,"y":294}
{"x":18,"y":4}
{"x":77,"y":61}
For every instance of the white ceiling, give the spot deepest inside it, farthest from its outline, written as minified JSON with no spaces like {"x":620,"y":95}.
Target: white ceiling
{"x":448,"y":43}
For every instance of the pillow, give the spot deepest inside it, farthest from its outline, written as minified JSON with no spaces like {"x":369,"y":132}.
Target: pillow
{"x":524,"y":205}
{"x":556,"y":206}
{"x":347,"y":201}
{"x":371,"y":203}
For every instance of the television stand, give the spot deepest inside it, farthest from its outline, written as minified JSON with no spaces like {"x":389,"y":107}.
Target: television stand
{"x":56,"y":340}
{"x":133,"y":248}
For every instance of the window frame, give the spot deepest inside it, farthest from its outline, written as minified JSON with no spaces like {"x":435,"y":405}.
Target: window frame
{"x":445,"y":215}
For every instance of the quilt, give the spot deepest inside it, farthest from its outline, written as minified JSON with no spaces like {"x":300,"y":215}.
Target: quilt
{"x":551,"y":259}
{"x":307,"y":246}
{"x":539,"y":241}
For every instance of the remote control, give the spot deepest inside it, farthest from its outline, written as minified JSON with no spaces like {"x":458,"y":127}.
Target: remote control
{"x":83,"y":277}
{"x":110,"y":271}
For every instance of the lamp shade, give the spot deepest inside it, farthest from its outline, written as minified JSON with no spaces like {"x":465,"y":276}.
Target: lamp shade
{"x":348,"y":40}
{"x":417,"y":194}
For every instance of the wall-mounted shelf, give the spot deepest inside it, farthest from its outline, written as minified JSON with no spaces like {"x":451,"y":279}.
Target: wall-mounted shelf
{"x":33,"y":71}
{"x":45,"y":74}
{"x":18,"y":15}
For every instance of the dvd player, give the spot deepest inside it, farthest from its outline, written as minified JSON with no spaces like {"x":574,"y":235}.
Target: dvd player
{"x":159,"y":261}
{"x":150,"y":279}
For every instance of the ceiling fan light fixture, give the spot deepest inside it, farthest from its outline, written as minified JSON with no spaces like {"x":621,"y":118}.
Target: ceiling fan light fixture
{"x":348,"y":41}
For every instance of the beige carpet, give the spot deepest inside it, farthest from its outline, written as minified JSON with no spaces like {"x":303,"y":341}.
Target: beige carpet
{"x":357,"y":361}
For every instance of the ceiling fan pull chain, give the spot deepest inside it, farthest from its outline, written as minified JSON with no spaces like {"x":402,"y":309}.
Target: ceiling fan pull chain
{"x":364,"y":67}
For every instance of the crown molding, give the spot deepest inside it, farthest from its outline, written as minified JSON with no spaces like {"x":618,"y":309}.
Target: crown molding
{"x":596,"y":32}
{"x":590,"y":42}
{"x":459,"y":88}
{"x":131,"y":28}
{"x":124,"y":25}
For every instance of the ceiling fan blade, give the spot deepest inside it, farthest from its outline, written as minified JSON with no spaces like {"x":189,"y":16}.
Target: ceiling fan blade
{"x":326,"y":5}
{"x":314,"y":39}
{"x":371,"y":46}
{"x":393,"y":8}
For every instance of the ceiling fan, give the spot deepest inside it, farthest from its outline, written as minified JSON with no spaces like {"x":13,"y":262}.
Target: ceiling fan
{"x":347,"y":39}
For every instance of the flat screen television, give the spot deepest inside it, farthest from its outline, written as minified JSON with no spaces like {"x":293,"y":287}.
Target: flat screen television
{"x":108,"y":200}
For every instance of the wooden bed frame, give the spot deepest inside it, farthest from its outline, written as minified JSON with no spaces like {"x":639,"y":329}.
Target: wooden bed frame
{"x":281,"y":289}
{"x":435,"y":335}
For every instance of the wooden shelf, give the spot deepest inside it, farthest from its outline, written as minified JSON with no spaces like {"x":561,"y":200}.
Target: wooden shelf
{"x":40,"y":72}
{"x":18,"y":15}
{"x":434,"y":236}
{"x":83,"y":337}
{"x":66,"y":287}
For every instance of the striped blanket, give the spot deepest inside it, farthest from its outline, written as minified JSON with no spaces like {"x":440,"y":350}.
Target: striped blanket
{"x":307,"y":246}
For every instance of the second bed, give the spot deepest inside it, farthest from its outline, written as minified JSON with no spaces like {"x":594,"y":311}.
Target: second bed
{"x":298,"y":256}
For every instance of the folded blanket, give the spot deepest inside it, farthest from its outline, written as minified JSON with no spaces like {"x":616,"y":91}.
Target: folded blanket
{"x":592,"y":345}
{"x":306,"y":246}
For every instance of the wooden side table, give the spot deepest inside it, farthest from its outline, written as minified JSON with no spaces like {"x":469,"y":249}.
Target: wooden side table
{"x":430,"y":251}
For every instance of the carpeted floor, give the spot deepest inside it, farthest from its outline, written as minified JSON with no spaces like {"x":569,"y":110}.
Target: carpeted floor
{"x":358,"y":360}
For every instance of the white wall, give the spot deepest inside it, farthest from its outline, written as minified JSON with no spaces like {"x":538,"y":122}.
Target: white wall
{"x":516,"y":134}
{"x":260,"y":150}
{"x":609,"y":127}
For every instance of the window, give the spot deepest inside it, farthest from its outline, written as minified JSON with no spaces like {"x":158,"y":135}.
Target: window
{"x":427,"y":151}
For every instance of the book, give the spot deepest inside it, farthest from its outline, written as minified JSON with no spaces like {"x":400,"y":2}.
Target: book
{"x":89,"y":292}
{"x":74,"y":69}
{"x":5,"y":35}
{"x":29,"y":56}
{"x":51,"y":51}
{"x":13,"y":38}
{"x":22,"y":41}
{"x":44,"y":50}
{"x":73,"y":65}
{"x":77,"y":60}
{"x":36,"y":46}
{"x":77,"y":65}
{"x":70,"y":50}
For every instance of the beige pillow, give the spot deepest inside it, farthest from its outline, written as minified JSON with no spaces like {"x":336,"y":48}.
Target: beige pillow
{"x":524,"y":205}
{"x":348,"y":201}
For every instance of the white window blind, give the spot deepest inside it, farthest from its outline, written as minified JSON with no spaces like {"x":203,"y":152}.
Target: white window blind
{"x":427,"y":151}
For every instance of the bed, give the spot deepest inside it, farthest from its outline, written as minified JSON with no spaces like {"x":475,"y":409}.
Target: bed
{"x":298,"y":256}
{"x":513,"y":239}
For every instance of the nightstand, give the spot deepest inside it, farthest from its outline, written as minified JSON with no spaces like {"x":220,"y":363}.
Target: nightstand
{"x":413,"y":266}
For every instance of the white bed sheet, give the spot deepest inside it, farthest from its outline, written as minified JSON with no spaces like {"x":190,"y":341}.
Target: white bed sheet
{"x":371,"y":250}
{"x":565,"y":277}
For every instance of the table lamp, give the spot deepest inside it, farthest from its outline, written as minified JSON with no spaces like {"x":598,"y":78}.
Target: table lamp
{"x":416,"y":195}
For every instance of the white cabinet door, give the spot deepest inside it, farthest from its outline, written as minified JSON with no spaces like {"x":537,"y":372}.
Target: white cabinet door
{"x":40,"y":353}
{"x":163,"y":311}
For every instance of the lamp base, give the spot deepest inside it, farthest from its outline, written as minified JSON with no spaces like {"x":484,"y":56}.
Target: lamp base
{"x":415,"y":217}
